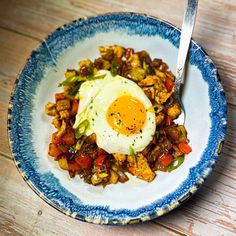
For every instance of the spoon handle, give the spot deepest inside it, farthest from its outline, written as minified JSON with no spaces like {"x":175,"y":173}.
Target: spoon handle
{"x":186,"y":33}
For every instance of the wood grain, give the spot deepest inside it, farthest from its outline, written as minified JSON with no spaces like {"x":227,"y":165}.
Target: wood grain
{"x":219,"y":41}
{"x":23,"y":24}
{"x":22,"y":212}
{"x":6,"y":85}
{"x":14,"y":50}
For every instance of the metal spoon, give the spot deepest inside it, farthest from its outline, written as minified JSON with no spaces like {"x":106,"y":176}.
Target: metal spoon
{"x":186,"y":33}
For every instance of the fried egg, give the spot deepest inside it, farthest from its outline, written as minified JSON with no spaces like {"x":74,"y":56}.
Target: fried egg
{"x":117,"y":111}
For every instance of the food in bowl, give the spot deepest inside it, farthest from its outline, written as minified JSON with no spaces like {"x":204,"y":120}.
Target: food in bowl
{"x":116,"y":116}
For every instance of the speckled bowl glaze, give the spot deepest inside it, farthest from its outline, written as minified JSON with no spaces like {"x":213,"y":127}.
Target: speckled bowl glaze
{"x":29,"y":128}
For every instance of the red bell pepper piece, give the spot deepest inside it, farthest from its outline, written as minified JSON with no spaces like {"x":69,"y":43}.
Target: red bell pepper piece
{"x":55,"y":139}
{"x":74,"y":166}
{"x":99,"y":162}
{"x":75,"y":106}
{"x":69,"y":138}
{"x":184,"y":147}
{"x":168,"y":120}
{"x":84,"y":161}
{"x":59,"y":96}
{"x":165,"y":159}
{"x":169,"y":84}
{"x":54,"y":150}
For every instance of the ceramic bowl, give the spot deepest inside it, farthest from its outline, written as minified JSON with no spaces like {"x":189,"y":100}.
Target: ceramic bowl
{"x":30,"y":129}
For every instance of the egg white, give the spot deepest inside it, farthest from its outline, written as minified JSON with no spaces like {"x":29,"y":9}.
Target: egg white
{"x":95,"y":99}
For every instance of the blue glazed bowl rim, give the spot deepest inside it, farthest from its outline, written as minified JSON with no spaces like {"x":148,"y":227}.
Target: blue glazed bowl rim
{"x":167,"y":207}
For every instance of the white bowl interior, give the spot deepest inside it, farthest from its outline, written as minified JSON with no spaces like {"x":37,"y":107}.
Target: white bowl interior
{"x":134,"y":193}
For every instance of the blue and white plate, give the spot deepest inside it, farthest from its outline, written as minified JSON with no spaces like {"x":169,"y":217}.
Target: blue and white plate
{"x":30,"y":129}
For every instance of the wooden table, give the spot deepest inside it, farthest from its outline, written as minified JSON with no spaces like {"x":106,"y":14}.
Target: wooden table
{"x":23,"y":25}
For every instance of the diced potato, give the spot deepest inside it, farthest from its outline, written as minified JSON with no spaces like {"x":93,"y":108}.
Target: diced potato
{"x":130,"y":159}
{"x":134,"y":61}
{"x":120,"y":158}
{"x":159,"y":118}
{"x":106,"y":52}
{"x":150,"y":92}
{"x":137,"y":73}
{"x":106,"y":65}
{"x":62,"y":129}
{"x":149,"y":81}
{"x":161,"y":75}
{"x":161,"y":97}
{"x":63,"y":104}
{"x":86,"y":63}
{"x":65,"y":114}
{"x":159,"y":85}
{"x":161,"y":93}
{"x":118,"y":51}
{"x":114,"y":177}
{"x":70,"y":73}
{"x":142,"y":170}
{"x":109,"y":52}
{"x":50,"y":109}
{"x":174,"y":111}
{"x":95,"y":179}
{"x":63,"y":163}
{"x":56,"y":122}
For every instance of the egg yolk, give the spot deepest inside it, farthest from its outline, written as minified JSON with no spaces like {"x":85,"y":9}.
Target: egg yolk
{"x":126,"y":115}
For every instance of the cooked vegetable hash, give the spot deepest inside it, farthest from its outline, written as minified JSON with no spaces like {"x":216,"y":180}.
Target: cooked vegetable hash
{"x":116,"y":116}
